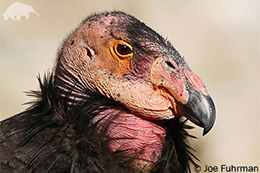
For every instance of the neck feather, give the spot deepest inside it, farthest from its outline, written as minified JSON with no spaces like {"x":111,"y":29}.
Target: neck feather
{"x":71,"y":86}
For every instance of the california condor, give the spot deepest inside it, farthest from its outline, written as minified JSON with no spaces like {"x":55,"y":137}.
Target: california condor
{"x":116,"y":102}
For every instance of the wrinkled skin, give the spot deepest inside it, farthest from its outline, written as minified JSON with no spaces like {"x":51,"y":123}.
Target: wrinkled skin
{"x":154,"y":91}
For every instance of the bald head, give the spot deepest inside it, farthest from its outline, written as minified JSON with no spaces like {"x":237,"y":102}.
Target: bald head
{"x":111,"y":53}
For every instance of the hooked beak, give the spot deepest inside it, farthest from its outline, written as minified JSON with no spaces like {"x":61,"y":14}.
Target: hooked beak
{"x":200,"y":110}
{"x":191,"y":98}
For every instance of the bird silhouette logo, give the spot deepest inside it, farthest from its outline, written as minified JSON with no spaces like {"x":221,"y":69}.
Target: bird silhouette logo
{"x":17,"y":10}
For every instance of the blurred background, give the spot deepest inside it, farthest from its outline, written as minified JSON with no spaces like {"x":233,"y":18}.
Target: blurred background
{"x":220,"y":41}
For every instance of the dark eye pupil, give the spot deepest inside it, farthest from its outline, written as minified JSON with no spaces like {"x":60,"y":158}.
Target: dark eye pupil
{"x":123,"y":49}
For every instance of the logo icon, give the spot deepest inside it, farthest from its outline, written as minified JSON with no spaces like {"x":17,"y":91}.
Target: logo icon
{"x":197,"y":168}
{"x":17,"y":10}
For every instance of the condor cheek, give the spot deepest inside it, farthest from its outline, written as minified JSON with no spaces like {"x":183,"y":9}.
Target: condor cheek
{"x":148,"y":102}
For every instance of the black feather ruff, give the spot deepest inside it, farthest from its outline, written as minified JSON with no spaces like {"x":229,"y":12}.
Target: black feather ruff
{"x":53,"y":137}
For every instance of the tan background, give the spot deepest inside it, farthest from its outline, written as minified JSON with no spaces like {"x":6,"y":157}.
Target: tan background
{"x":219,"y":39}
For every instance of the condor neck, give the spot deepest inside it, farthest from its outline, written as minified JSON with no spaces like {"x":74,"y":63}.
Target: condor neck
{"x":70,"y":86}
{"x":140,"y":139}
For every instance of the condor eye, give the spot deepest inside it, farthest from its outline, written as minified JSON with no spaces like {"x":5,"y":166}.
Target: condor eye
{"x":123,"y":50}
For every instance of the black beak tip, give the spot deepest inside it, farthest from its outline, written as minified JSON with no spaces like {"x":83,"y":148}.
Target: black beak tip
{"x":206,"y":130}
{"x":200,"y":110}
{"x":210,"y":119}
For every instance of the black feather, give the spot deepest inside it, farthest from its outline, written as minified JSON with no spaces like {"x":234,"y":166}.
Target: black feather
{"x":50,"y":137}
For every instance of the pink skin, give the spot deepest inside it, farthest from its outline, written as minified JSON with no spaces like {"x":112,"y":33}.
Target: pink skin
{"x":195,"y":81}
{"x":146,"y":138}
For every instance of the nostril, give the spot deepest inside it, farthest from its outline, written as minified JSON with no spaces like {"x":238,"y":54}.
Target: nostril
{"x":169,"y":64}
{"x":89,"y":53}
